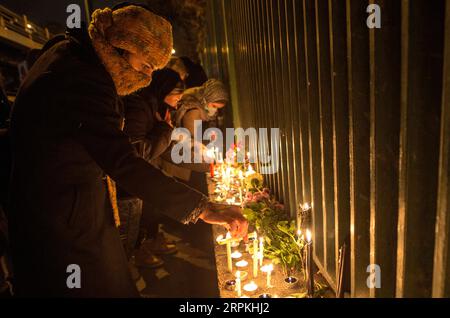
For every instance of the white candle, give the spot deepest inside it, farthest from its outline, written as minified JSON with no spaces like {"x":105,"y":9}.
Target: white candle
{"x":255,"y":257}
{"x":299,"y":234}
{"x":261,"y":250}
{"x":236,"y":255}
{"x":229,"y":260}
{"x":238,"y":284}
{"x":250,"y":170}
{"x":250,"y":287}
{"x":268,"y":270}
{"x":241,"y":264}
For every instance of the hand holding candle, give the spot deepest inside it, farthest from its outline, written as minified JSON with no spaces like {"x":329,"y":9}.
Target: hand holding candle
{"x":228,"y":216}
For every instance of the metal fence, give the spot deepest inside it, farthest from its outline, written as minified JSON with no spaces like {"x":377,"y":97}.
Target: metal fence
{"x":364,"y":116}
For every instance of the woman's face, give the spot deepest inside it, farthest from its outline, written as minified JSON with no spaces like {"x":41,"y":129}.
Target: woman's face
{"x":139,"y":64}
{"x":173,"y":98}
{"x":213,"y":108}
{"x":216,"y":105}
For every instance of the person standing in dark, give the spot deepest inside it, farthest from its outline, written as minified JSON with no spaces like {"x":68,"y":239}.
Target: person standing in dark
{"x":68,"y":149}
{"x":147,"y":123}
{"x":196,"y":75}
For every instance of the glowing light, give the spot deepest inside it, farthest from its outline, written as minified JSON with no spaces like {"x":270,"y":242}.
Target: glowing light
{"x":306,"y":207}
{"x":236,"y":255}
{"x":267,"y":268}
{"x":308,"y":236}
{"x":250,"y":287}
{"x":242,"y":263}
{"x":173,"y":51}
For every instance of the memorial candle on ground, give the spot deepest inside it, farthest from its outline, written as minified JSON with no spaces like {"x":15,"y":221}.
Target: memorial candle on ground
{"x":261,"y":250}
{"x":255,"y":256}
{"x":238,"y":284}
{"x":268,"y":270}
{"x":309,"y":264}
{"x":229,"y":260}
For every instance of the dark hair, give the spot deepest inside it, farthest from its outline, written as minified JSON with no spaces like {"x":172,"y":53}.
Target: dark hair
{"x":197,"y":75}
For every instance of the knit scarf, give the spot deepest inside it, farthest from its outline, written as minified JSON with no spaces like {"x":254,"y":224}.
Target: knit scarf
{"x":126,"y":79}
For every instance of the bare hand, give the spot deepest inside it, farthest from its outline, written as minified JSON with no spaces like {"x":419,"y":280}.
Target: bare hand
{"x":228,"y":216}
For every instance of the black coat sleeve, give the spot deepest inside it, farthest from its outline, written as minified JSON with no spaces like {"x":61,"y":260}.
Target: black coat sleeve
{"x":90,"y":114}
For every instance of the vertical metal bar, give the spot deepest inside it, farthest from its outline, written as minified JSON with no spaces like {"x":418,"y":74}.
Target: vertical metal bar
{"x":441,"y":272}
{"x":359,"y":112}
{"x":268,"y":76}
{"x":302,"y":87}
{"x":88,"y":7}
{"x":419,"y":147}
{"x":293,"y":108}
{"x":385,"y":61}
{"x":314,"y":129}
{"x":286,"y":150}
{"x":326,"y":132}
{"x":273,"y":110}
{"x":260,"y":74}
{"x":231,"y":61}
{"x":339,"y":104}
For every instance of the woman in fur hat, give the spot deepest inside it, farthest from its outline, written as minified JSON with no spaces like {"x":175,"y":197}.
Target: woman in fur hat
{"x":69,"y":150}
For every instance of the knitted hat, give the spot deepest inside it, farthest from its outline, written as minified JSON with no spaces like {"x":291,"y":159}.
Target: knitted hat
{"x":136,"y":30}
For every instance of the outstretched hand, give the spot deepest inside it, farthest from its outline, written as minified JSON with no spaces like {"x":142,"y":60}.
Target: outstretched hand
{"x":230,"y":217}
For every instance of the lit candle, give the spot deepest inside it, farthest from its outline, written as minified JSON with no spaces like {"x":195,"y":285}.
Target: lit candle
{"x":250,"y":287}
{"x":299,"y":234}
{"x":309,"y":264}
{"x":261,"y":250}
{"x":236,"y":255}
{"x":250,"y":170}
{"x":229,"y":261}
{"x":255,"y":257}
{"x":241,"y":264}
{"x":238,"y":284}
{"x":268,"y":270}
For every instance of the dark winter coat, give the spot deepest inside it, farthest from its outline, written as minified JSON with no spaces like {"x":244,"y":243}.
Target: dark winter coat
{"x":65,"y":137}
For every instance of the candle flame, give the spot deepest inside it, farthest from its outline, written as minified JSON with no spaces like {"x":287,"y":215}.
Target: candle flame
{"x":267,"y":268}
{"x":236,"y":254}
{"x":251,"y":287}
{"x":299,"y":233}
{"x":242,"y":263}
{"x":306,"y":207}
{"x":308,"y":236}
{"x":228,"y":236}
{"x":210,"y":153}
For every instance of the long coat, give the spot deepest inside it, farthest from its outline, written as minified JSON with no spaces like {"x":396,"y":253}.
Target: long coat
{"x":66,"y":137}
